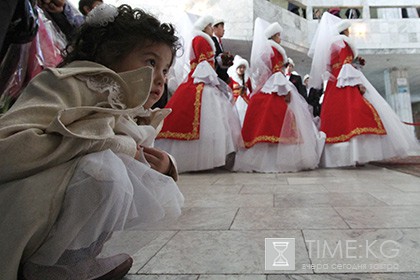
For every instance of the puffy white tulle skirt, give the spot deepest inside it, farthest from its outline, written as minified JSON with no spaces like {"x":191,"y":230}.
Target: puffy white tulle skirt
{"x":280,"y":157}
{"x":220,"y":135}
{"x":400,"y":140}
{"x":108,"y":192}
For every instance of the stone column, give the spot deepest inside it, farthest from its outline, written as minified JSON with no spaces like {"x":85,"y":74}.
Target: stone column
{"x":398,"y":93}
{"x":309,"y":12}
{"x":366,"y":10}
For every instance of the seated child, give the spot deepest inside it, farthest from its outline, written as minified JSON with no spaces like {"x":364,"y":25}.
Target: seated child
{"x":78,"y":162}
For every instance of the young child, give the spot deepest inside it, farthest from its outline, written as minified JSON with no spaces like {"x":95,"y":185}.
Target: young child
{"x":240,"y":83}
{"x":78,"y":162}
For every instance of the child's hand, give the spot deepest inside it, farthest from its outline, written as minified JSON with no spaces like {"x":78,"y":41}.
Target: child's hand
{"x":158,"y":160}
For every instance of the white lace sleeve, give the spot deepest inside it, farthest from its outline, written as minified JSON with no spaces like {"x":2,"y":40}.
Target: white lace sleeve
{"x":349,"y":76}
{"x":204,"y":73}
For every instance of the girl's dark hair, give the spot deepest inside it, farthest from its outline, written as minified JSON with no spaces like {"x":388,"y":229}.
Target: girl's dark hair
{"x":107,"y":44}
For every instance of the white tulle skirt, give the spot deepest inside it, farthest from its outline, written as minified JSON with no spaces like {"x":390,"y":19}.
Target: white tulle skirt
{"x":219,"y":135}
{"x":400,"y":140}
{"x":276,"y":158}
{"x":108,"y":192}
{"x":241,"y":107}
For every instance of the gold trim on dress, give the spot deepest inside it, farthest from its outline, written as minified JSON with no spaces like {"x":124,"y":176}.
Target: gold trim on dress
{"x":195,"y":133}
{"x":271,"y":139}
{"x":379,"y":130}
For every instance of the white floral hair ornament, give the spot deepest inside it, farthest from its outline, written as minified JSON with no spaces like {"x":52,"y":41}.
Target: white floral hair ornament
{"x":101,"y":15}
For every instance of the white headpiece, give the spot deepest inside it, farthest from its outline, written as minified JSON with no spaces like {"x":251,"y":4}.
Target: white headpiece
{"x":290,"y":61}
{"x":217,"y":21}
{"x":273,"y":29}
{"x":306,"y":77}
{"x":202,"y":22}
{"x":102,"y":14}
{"x":343,"y":25}
{"x":320,"y":49}
{"x":261,"y":52}
{"x":237,"y":61}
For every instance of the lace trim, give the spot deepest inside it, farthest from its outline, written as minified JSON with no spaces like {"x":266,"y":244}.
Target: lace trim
{"x":105,"y":84}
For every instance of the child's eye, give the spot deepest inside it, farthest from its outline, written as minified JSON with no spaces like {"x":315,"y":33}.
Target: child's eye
{"x":151,"y":62}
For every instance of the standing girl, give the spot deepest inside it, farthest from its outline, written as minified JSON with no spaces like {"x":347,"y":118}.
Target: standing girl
{"x":240,"y":83}
{"x":278,"y":131}
{"x":203,"y":127}
{"x":359,"y":124}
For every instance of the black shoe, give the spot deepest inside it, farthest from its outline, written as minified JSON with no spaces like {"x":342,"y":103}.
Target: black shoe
{"x":119,"y":272}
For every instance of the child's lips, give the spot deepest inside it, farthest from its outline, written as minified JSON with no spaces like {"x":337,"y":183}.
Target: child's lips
{"x":155,"y":92}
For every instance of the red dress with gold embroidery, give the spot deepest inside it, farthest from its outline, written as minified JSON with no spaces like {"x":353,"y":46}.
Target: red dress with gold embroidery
{"x":184,"y":121}
{"x":203,"y":127}
{"x":279,"y":136}
{"x":266,"y":111}
{"x":345,"y":112}
{"x":237,"y":89}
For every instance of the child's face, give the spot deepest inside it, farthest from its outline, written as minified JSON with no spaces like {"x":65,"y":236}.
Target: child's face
{"x":158,"y":56}
{"x":276,"y":38}
{"x":240,"y":70}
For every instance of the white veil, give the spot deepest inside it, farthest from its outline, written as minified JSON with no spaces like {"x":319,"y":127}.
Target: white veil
{"x":179,"y":71}
{"x":320,"y":50}
{"x":260,"y":55}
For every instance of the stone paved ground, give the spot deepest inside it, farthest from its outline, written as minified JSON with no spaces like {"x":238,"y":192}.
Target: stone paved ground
{"x":348,"y":223}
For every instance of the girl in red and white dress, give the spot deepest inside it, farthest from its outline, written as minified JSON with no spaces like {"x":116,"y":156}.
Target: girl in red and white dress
{"x":278,"y":131}
{"x":359,"y":124}
{"x":203,"y":127}
{"x":240,"y":83}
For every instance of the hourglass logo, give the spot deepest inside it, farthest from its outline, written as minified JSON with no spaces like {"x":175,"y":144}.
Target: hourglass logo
{"x":279,"y":254}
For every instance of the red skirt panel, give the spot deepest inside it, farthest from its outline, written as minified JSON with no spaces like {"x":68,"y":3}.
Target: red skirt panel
{"x":346,"y":113}
{"x":184,"y":121}
{"x":264,"y":120}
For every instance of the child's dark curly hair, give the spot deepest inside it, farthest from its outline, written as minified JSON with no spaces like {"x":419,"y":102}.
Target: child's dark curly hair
{"x":131,"y":28}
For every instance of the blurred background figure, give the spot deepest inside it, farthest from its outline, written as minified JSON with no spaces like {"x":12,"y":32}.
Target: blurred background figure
{"x":335,"y":11}
{"x":294,"y":77}
{"x":313,"y":96}
{"x":66,"y":17}
{"x":223,"y":58}
{"x":85,"y":6}
{"x":352,"y":13}
{"x":296,"y":9}
{"x":240,"y":83}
